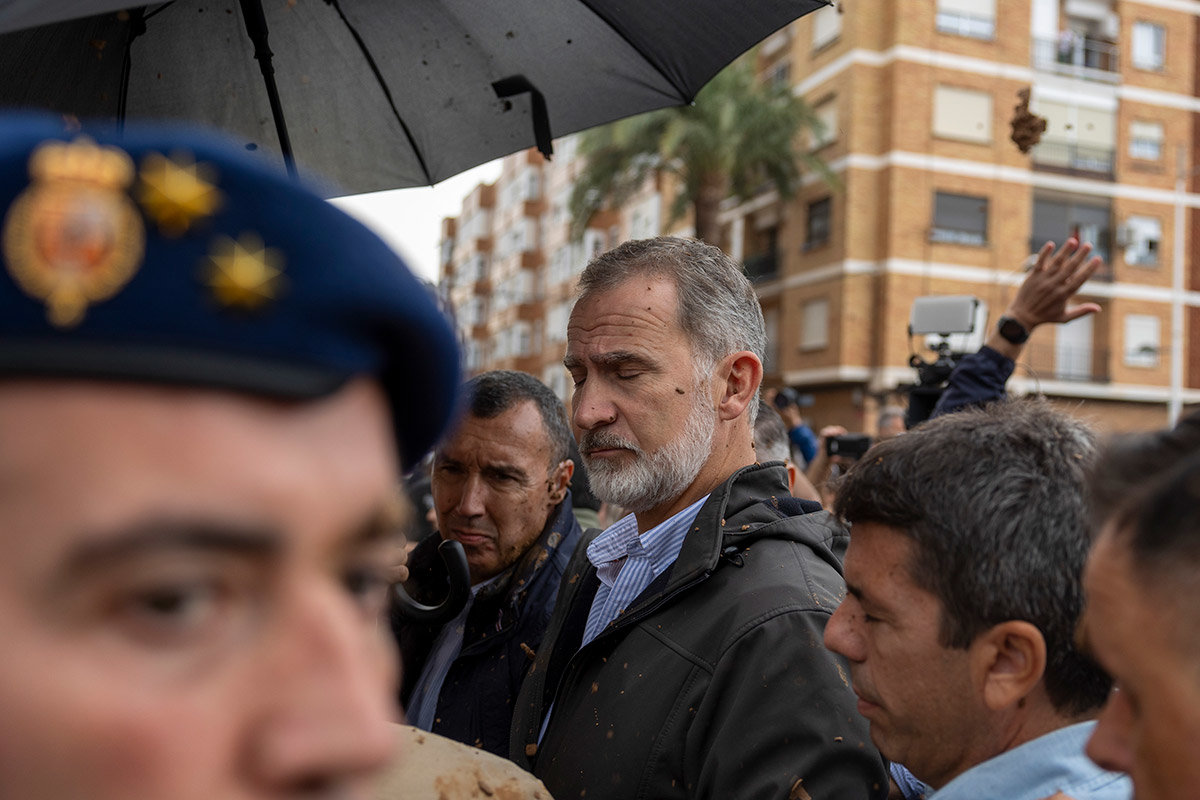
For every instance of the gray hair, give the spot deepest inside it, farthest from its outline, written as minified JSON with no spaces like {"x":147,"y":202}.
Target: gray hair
{"x":771,"y":441}
{"x":995,"y":503}
{"x":718,"y":309}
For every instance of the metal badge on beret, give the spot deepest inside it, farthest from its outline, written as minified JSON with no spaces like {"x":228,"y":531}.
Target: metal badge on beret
{"x":74,"y":237}
{"x":176,"y":192}
{"x":243,"y":273}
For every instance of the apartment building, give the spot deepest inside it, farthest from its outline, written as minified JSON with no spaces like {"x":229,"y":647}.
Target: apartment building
{"x":934,"y":198}
{"x":931,"y":198}
{"x":509,"y":262}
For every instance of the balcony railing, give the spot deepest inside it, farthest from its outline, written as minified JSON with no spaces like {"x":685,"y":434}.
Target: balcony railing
{"x":762,"y":267}
{"x":1074,"y":157}
{"x":1089,"y":59}
{"x":1065,"y":362}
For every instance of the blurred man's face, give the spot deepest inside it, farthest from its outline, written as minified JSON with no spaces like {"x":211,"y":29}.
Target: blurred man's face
{"x":191,"y":586}
{"x":1151,"y":724}
{"x":643,"y":422}
{"x":493,"y":487}
{"x":916,"y":694}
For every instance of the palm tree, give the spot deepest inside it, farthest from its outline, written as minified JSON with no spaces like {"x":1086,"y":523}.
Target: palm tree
{"x":737,"y":138}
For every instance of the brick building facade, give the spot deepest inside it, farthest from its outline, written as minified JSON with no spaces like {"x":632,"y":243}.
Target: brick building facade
{"x":931,"y":198}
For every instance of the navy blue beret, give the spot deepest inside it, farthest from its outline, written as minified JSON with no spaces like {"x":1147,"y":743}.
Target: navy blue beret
{"x":169,"y":255}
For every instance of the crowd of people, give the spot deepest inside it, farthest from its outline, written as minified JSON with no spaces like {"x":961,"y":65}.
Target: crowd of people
{"x":213,"y":382}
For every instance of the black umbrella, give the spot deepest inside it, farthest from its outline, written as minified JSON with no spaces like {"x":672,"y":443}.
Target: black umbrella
{"x":377,"y":94}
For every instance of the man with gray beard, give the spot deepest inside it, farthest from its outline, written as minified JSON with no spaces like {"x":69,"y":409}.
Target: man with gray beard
{"x":684,"y":658}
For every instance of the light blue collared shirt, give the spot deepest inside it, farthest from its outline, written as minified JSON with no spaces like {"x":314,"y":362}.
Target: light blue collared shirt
{"x":627,"y":563}
{"x":1039,"y":768}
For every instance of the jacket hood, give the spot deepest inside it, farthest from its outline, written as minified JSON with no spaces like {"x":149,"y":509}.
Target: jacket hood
{"x":750,"y":506}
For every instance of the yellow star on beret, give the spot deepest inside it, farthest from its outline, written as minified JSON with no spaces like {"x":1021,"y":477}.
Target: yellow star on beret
{"x":244,"y":273}
{"x":176,"y":192}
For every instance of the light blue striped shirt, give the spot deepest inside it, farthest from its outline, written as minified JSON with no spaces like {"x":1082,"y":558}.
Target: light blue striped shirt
{"x":627,"y":563}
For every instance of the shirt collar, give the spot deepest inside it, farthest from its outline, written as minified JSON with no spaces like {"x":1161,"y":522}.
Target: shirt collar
{"x":660,"y":545}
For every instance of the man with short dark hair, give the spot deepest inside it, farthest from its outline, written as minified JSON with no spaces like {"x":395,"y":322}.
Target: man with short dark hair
{"x":500,"y":488}
{"x":684,"y":658}
{"x":967,"y":542}
{"x":1141,"y":620}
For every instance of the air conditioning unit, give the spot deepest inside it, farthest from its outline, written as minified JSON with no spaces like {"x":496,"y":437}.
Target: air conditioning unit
{"x":1124,"y":235}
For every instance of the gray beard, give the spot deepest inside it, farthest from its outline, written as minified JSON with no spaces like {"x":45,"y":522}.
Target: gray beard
{"x":652,"y":478}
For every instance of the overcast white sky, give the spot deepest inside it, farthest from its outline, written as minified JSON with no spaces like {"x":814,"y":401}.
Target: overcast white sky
{"x":410,"y":220}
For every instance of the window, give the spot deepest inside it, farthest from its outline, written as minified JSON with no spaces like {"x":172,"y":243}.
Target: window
{"x":1077,"y":137}
{"x":643,"y":223}
{"x":974,"y":18}
{"x":1149,"y":45}
{"x":556,"y":322}
{"x":1073,"y":350}
{"x":816,"y":231}
{"x":1145,"y":140}
{"x":827,"y":25}
{"x":1141,"y":340}
{"x":1057,"y":216}
{"x":780,"y":75}
{"x":522,"y":344}
{"x":776,"y":41}
{"x":959,"y":219}
{"x":555,"y":377}
{"x":1142,"y":236}
{"x":531,"y":185}
{"x":962,"y":114}
{"x":474,"y":355}
{"x":814,"y":331}
{"x":826,"y":113}
{"x":593,"y":244}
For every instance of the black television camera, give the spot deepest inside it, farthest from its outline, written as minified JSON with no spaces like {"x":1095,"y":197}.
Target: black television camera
{"x":943,"y":317}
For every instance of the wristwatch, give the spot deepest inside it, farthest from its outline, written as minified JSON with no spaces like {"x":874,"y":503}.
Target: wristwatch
{"x":1012,"y":330}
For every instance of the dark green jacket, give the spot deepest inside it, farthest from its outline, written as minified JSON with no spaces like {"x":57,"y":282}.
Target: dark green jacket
{"x":715,"y":682}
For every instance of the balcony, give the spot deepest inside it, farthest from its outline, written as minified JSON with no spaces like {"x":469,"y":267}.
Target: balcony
{"x":762,"y":267}
{"x":1087,"y":59}
{"x":1074,"y":159}
{"x":1064,"y":362}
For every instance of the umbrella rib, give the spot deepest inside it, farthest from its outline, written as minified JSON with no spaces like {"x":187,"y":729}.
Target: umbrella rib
{"x":657,"y":67}
{"x":386,"y":91}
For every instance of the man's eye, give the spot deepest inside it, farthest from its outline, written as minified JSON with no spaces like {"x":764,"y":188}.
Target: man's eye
{"x":170,"y":612}
{"x":627,"y":376}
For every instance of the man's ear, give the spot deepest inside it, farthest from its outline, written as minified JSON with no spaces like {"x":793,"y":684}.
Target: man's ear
{"x":560,"y":480}
{"x":743,"y":373}
{"x":1007,"y":662}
